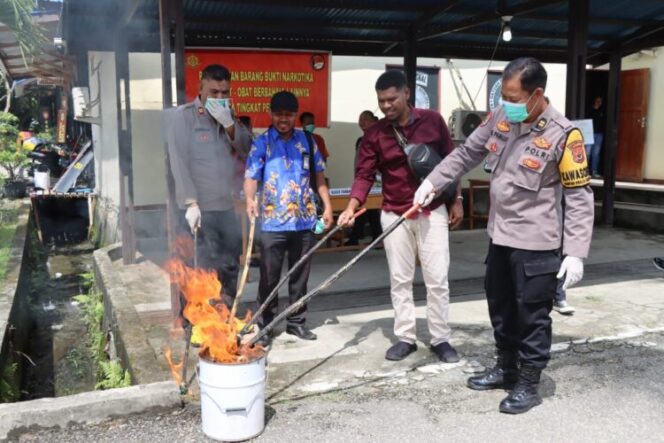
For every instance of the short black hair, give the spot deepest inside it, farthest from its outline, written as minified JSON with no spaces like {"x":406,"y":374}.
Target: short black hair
{"x":531,"y":73}
{"x":216,"y":72}
{"x":284,"y":101}
{"x":306,"y":114}
{"x":391,"y":79}
{"x":245,"y":119}
{"x":369,"y":114}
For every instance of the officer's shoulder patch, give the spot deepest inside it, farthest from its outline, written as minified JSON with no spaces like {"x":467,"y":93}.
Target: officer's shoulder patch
{"x":573,"y":165}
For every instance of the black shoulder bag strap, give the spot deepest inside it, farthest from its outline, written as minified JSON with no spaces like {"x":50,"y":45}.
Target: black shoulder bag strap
{"x":312,"y":172}
{"x":312,"y":162}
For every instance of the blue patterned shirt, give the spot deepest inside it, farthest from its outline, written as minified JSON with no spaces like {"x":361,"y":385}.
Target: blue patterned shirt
{"x":283,"y":168}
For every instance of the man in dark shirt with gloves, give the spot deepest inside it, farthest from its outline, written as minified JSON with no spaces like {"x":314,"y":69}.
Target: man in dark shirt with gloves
{"x":202,"y":136}
{"x":537,"y":159}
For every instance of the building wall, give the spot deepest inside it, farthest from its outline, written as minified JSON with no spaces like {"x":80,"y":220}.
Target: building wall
{"x":101,"y":71}
{"x":146,"y":130}
{"x":654,"y":144}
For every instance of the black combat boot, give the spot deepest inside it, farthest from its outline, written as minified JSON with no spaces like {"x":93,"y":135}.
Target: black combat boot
{"x":502,"y":376}
{"x":524,"y":396}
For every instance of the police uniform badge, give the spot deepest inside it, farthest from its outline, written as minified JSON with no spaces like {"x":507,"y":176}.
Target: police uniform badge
{"x":542,"y":143}
{"x":503,"y":126}
{"x":201,"y":110}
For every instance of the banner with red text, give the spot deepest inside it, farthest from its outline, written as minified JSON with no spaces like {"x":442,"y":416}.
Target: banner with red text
{"x":256,"y":75}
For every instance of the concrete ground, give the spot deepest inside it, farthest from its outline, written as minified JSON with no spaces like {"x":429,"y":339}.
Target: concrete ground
{"x":604,"y":381}
{"x":609,"y":391}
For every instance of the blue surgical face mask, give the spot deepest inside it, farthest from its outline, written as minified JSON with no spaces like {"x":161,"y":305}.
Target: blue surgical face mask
{"x":517,"y":112}
{"x":310,"y":128}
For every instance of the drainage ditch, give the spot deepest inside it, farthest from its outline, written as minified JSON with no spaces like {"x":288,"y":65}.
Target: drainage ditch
{"x":58,"y":315}
{"x":58,"y":360}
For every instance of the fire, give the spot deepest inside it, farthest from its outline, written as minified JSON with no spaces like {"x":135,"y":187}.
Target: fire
{"x":176,"y":368}
{"x":205,"y":310}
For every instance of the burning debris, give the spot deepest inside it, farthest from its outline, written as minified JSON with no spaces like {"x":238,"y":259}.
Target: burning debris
{"x":213,"y":327}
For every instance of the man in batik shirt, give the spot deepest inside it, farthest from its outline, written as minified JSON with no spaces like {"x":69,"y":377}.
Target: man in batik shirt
{"x":282,"y":160}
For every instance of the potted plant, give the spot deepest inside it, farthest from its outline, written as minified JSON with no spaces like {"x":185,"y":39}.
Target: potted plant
{"x":11,"y":156}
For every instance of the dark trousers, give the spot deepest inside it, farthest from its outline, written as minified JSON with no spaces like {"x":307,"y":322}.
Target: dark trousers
{"x":520,"y":286}
{"x":274,"y":245}
{"x":372,"y":216}
{"x":219,"y":247}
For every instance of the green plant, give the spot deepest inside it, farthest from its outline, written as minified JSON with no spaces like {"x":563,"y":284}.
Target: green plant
{"x":112,"y":375}
{"x":88,"y":280}
{"x":7,"y":230}
{"x":11,"y":156}
{"x":92,"y":305}
{"x":8,"y":392}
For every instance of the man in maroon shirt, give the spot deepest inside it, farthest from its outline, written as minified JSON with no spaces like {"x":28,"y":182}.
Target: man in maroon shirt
{"x":425,"y":235}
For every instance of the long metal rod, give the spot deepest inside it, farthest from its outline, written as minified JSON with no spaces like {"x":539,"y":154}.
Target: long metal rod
{"x":285,"y":278}
{"x":185,"y":359}
{"x":188,"y":326}
{"x":331,"y":279}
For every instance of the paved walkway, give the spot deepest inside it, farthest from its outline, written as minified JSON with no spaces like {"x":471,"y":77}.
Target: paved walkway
{"x":354,"y":318}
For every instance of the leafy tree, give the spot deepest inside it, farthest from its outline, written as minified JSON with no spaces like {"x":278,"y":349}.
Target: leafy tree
{"x":17,"y":16}
{"x":11,"y":156}
{"x":31,"y":38}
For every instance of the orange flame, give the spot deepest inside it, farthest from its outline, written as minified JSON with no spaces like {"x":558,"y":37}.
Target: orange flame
{"x":205,"y":310}
{"x":176,"y":368}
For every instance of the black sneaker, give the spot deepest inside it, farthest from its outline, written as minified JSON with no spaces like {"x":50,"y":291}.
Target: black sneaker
{"x":445,"y":352}
{"x":400,"y":351}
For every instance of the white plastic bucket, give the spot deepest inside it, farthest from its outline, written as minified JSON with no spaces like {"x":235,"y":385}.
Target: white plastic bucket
{"x":43,"y":180}
{"x":232,"y":399}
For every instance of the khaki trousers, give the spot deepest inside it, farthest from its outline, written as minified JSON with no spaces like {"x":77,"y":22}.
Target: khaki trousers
{"x":426,"y":237}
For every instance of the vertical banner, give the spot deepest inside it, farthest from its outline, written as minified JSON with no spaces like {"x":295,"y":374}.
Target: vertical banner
{"x":61,"y":128}
{"x":257,"y":75}
{"x":427,"y":86}
{"x":494,"y":84}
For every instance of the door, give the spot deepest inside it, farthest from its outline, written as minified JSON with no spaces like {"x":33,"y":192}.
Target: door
{"x":632,"y":119}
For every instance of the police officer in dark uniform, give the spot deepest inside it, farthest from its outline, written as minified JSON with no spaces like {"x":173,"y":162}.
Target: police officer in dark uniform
{"x":537,"y":161}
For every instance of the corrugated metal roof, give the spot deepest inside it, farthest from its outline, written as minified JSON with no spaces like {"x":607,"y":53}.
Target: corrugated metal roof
{"x":374,"y":26}
{"x":47,"y":65}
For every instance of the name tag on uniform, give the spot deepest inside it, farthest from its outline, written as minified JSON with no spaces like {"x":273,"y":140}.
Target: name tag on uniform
{"x":305,"y":162}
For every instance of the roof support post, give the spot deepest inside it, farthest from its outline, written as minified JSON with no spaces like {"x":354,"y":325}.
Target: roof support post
{"x":125,"y":147}
{"x":178,"y":16}
{"x":577,"y":36}
{"x":165,"y":24}
{"x":410,"y":62}
{"x":611,"y":140}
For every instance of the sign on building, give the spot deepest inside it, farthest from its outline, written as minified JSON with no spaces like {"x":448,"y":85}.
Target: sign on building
{"x":427,"y":86}
{"x":256,"y":75}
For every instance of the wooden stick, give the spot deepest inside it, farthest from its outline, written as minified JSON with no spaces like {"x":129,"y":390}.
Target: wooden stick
{"x":245,"y":271}
{"x":331,"y":279}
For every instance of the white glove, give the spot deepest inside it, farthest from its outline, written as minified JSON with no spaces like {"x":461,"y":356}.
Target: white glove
{"x":221,"y":113}
{"x":572,"y":269}
{"x":424,"y":194}
{"x":193,"y":216}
